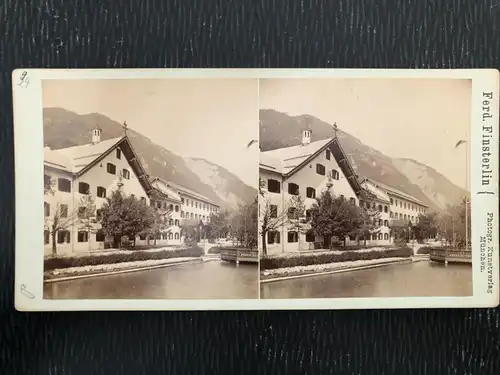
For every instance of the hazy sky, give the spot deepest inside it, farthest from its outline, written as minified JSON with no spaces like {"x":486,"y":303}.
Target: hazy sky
{"x":421,"y":119}
{"x":208,"y":118}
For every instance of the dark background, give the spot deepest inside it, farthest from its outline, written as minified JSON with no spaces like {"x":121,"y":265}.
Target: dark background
{"x":239,"y":34}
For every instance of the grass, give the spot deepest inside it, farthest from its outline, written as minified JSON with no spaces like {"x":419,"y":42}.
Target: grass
{"x":307,"y":260}
{"x":93,"y":260}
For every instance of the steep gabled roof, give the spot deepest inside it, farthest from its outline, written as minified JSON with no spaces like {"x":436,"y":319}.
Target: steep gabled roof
{"x":293,"y":159}
{"x":80,"y":159}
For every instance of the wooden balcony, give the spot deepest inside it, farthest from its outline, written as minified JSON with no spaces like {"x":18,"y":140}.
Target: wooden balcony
{"x":451,"y":255}
{"x":239,"y":255}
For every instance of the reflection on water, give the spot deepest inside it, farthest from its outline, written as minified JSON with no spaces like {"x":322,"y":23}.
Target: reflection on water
{"x":204,"y":280}
{"x":419,"y":279}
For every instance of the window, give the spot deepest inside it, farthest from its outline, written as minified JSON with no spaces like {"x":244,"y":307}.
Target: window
{"x":291,"y":212}
{"x":293,"y":236}
{"x":182,"y":214}
{"x":83,"y":188}
{"x":273,"y":186}
{"x":335,"y":174}
{"x":362,"y":204}
{"x":101,"y":192}
{"x":176,"y":208}
{"x":82,"y":212}
{"x":192,"y":215}
{"x":310,"y":192}
{"x":46,"y":237}
{"x":170,"y":236}
{"x":386,"y":236}
{"x":187,"y":202}
{"x":352,"y":201}
{"x":273,"y":211}
{"x":374,"y":236}
{"x":111,"y":168}
{"x":83,"y":236}
{"x":273,"y":237}
{"x":308,"y":215}
{"x":392,"y":202}
{"x":47,"y":180}
{"x":405,"y":205}
{"x":327,"y":154}
{"x":386,"y":223}
{"x":118,"y":153}
{"x":320,"y":169}
{"x":380,"y":236}
{"x":170,"y":207}
{"x":46,"y":209}
{"x":143,"y":200}
{"x":380,"y":208}
{"x":177,"y":236}
{"x":176,"y":222}
{"x":63,"y":236}
{"x":192,"y":203}
{"x":126,"y":174}
{"x":404,"y":216}
{"x":293,"y":189}
{"x":142,"y":237}
{"x":182,"y":200}
{"x":310,"y":237}
{"x":98,"y":214}
{"x":64,"y":185}
{"x":386,"y":209}
{"x":391,"y":215}
{"x":63,"y":210}
{"x":195,"y":204}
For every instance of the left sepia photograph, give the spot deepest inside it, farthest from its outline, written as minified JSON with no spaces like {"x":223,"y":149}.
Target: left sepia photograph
{"x":150,"y":188}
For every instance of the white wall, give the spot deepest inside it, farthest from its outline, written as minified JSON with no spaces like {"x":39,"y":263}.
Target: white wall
{"x":96,"y":176}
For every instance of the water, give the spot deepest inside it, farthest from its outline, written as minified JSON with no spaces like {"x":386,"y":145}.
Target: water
{"x":206,"y":280}
{"x":418,"y":279}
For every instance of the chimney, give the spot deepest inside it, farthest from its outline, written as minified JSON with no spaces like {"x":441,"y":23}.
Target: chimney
{"x":96,"y":135}
{"x":306,"y":136}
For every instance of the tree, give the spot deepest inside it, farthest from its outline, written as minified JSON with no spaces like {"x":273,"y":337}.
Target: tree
{"x":271,"y":218}
{"x":63,"y":220}
{"x":160,"y":219}
{"x":125,"y":215}
{"x":48,"y":185}
{"x":217,"y":225}
{"x":334,"y":217}
{"x":426,"y":227}
{"x":296,"y":218}
{"x":86,"y":215}
{"x":369,"y":222}
{"x":244,"y":225}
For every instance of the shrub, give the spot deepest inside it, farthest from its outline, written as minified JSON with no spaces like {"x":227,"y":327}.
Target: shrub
{"x":93,"y":260}
{"x":425,"y":250}
{"x":306,"y":260}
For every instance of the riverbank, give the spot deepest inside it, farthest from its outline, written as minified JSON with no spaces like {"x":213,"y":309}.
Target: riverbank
{"x":287,"y":273}
{"x":73,"y":273}
{"x":64,"y":267}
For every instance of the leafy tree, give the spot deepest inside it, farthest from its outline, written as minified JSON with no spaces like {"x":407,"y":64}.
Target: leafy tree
{"x":218,"y":225}
{"x":125,"y":215}
{"x":334,"y":216}
{"x":426,"y":227}
{"x":244,"y":225}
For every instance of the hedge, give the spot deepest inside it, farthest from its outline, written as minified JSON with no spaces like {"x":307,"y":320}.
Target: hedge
{"x":425,"y":250}
{"x":214,"y":250}
{"x":307,"y":260}
{"x":93,"y":260}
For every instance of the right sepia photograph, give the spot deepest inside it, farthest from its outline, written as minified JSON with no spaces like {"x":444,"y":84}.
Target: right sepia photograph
{"x":364,"y":188}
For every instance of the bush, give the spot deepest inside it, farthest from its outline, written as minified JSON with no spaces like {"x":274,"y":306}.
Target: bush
{"x":362,"y":247}
{"x":307,"y":260}
{"x":94,"y":260}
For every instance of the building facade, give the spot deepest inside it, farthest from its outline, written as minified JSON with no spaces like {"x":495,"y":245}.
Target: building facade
{"x":78,"y":180}
{"x":305,"y":170}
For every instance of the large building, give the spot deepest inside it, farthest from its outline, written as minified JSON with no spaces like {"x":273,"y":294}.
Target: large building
{"x":181,"y":206}
{"x":403,"y":208}
{"x":81,"y":177}
{"x":76,"y":173}
{"x":305,"y":170}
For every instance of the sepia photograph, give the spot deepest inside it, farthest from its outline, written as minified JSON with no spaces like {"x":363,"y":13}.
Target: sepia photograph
{"x":150,"y":189}
{"x":255,"y":189}
{"x":364,"y":188}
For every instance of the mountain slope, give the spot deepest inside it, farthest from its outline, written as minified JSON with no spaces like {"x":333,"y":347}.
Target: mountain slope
{"x":281,"y":130}
{"x":64,"y":128}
